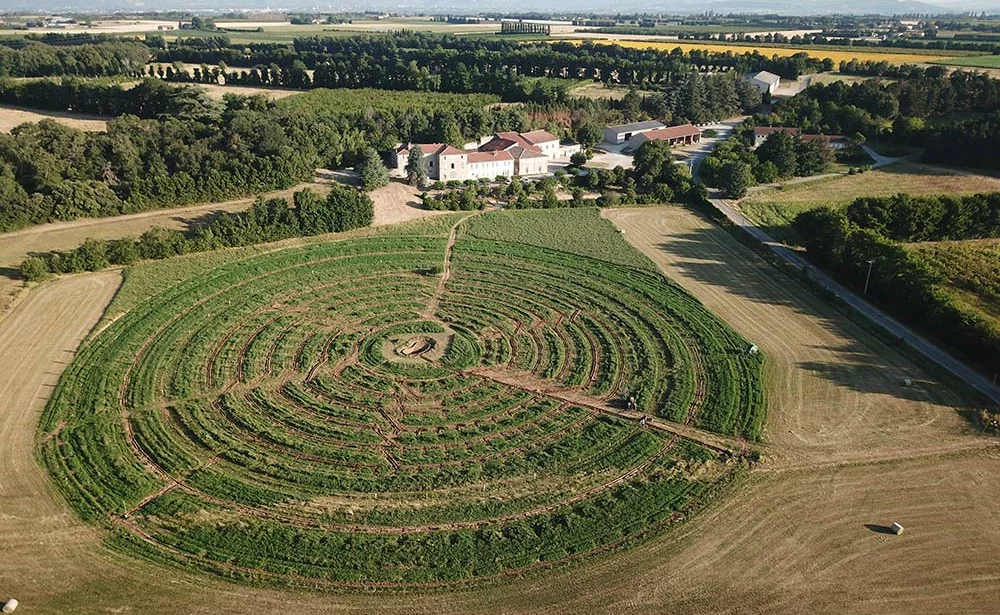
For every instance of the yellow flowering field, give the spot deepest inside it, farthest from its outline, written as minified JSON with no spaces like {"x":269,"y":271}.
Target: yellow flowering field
{"x":836,"y":56}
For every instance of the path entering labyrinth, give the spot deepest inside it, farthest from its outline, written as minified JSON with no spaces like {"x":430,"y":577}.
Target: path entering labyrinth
{"x":259,"y":420}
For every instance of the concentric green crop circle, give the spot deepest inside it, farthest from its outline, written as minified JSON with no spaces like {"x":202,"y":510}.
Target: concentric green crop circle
{"x":332,"y":416}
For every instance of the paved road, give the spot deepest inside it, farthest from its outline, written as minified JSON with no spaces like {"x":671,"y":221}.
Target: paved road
{"x":973,"y":378}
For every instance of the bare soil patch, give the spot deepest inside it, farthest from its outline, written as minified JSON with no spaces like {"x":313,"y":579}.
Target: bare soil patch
{"x":11,"y":117}
{"x":399,"y":202}
{"x":218,"y":91}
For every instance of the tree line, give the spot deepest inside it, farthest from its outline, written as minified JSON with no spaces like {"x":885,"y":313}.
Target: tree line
{"x":147,"y":99}
{"x":899,"y":111}
{"x":901,"y":280}
{"x":451,"y":64}
{"x":102,"y":59}
{"x":907,"y":219}
{"x":267,"y":220}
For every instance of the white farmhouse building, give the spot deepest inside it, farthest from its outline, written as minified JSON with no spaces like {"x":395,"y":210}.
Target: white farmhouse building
{"x":761,"y":133}
{"x":504,"y":154}
{"x":766,"y":82}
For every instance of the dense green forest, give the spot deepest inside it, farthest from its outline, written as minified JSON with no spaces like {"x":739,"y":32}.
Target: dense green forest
{"x":954,"y":117}
{"x":929,"y":218}
{"x":36,"y":59}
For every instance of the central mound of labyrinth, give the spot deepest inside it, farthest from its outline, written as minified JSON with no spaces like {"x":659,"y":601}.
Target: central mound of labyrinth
{"x":338,"y":415}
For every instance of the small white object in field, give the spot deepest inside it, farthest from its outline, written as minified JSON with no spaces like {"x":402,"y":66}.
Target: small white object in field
{"x":897,"y":529}
{"x":907,"y":382}
{"x":9,"y":606}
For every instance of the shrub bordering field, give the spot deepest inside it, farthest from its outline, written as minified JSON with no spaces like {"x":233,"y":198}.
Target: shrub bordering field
{"x":901,"y":281}
{"x":267,"y":220}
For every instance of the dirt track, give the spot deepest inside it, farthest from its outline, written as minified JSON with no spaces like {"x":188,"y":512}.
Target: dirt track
{"x":792,"y":539}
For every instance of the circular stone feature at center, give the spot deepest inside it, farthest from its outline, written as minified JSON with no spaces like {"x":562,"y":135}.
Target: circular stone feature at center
{"x":416,"y":346}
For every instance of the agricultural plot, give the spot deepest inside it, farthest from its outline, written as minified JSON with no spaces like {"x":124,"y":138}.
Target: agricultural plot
{"x":990,"y":61}
{"x":835,"y":54}
{"x":402,"y":410}
{"x":970,"y":271}
{"x":775,"y":209}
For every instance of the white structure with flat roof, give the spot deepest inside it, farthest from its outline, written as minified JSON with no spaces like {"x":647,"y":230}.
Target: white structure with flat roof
{"x":616,"y":135}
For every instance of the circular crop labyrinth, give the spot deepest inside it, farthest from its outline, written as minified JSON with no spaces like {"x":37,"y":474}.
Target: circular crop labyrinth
{"x":335,"y":415}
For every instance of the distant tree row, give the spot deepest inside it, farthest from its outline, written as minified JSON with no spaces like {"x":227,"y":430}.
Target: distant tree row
{"x":91,"y":60}
{"x":267,"y":220}
{"x":426,"y":60}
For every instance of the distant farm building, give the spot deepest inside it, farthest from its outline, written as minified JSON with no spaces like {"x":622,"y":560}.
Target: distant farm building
{"x":766,"y":82}
{"x":616,"y":135}
{"x":505,"y":153}
{"x":761,"y":133}
{"x":685,"y":134}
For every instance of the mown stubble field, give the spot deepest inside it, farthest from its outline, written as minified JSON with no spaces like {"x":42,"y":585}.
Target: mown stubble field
{"x":847,"y":446}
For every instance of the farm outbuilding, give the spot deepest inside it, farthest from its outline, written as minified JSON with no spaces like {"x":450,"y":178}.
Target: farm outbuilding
{"x":685,"y":134}
{"x":766,"y":82}
{"x":616,"y":135}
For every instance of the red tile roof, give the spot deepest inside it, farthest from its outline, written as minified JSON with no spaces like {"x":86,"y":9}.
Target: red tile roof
{"x":539,"y":136}
{"x":497,"y":143}
{"x":515,"y":139}
{"x":492,"y":156}
{"x":428,"y":148}
{"x":672,"y":132}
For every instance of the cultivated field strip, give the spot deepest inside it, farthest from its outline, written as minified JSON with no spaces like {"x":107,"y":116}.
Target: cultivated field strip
{"x":323,"y":415}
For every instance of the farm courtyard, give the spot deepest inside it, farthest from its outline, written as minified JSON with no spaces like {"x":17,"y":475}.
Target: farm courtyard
{"x":846,"y":450}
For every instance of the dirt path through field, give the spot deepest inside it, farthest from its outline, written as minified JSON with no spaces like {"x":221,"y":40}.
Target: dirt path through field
{"x":849,"y":449}
{"x":802,"y":535}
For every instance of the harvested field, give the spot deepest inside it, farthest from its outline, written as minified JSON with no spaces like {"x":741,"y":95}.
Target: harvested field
{"x":399,"y":202}
{"x":791,"y":539}
{"x":15,"y":116}
{"x":218,"y":91}
{"x":774,"y":210}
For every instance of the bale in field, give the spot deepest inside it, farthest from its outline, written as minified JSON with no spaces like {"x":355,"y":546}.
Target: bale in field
{"x":9,"y":606}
